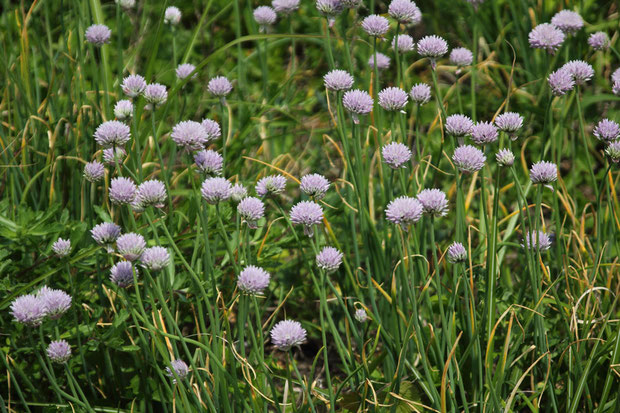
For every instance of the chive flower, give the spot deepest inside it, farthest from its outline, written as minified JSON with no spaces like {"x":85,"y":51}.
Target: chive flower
{"x":613,"y":151}
{"x":150,"y":193}
{"x":155,"y":258}
{"x":213,"y":129}
{"x":505,"y":157}
{"x":434,"y":202}
{"x":456,"y":253}
{"x":561,"y":82}
{"x":393,"y":99}
{"x":215,"y":189}
{"x":404,"y":211}
{"x":122,"y":190}
{"x":543,"y":172}
{"x":338,"y":80}
{"x":59,"y":351}
{"x":568,"y":21}
{"x":28,"y":309}
{"x":375,"y":25}
{"x":184,"y":70}
{"x":287,"y":334}
{"x":308,"y":214}
{"x":285,"y":7}
{"x":220,"y":87}
{"x":209,"y":162}
{"x":329,"y":259}
{"x":484,"y":133}
{"x":123,"y":109}
{"x":250,"y":210}
{"x":270,"y":185}
{"x":238,"y":192}
{"x":264,"y":16}
{"x":579,"y":70}
{"x":383,"y":61}
{"x":253,"y":280}
{"x":357,"y":102}
{"x":509,"y":122}
{"x":122,"y":272}
{"x":105,"y":234}
{"x":112,"y":133}
{"x":61,"y":247}
{"x":459,"y":125}
{"x":461,"y":57}
{"x":133,"y":85}
{"x":420,"y":93}
{"x":130,"y":246}
{"x":537,"y":241}
{"x":172,"y":15}
{"x":599,"y":41}
{"x":405,"y":43}
{"x":155,"y":94}
{"x":189,"y":135}
{"x":547,"y":37}
{"x":55,"y":302}
{"x":98,"y":34}
{"x":314,"y":185}
{"x":396,"y":155}
{"x":405,"y":11}
{"x":179,"y":368}
{"x":607,"y":130}
{"x":94,"y":171}
{"x":468,"y":158}
{"x":113,"y":156}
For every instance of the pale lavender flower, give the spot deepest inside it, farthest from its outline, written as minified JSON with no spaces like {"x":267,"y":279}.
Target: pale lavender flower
{"x":599,"y":41}
{"x":615,"y":76}
{"x":238,"y":192}
{"x":405,"y":43}
{"x":396,"y":155}
{"x":55,"y":302}
{"x":420,"y":93}
{"x":219,"y":86}
{"x":98,"y":34}
{"x":270,"y":185}
{"x":184,"y":70}
{"x":126,"y":4}
{"x":250,"y":210}
{"x":189,"y":135}
{"x":537,"y":241}
{"x":484,"y":133}
{"x":133,"y":85}
{"x":122,"y":272}
{"x":130,"y":246}
{"x":393,"y":99}
{"x":468,"y":158}
{"x":308,"y":214}
{"x":105,"y":234}
{"x":59,"y":351}
{"x":404,"y":211}
{"x":579,"y":70}
{"x":405,"y":11}
{"x":122,"y":190}
{"x":375,"y":25}
{"x":505,"y":157}
{"x":253,"y":280}
{"x":383,"y":61}
{"x":285,"y":7}
{"x":434,"y":202}
{"x":456,"y":253}
{"x":360,"y":315}
{"x":112,"y":156}
{"x":112,"y":133}
{"x":358,"y":102}
{"x":61,"y":247}
{"x":461,"y":57}
{"x":616,"y":88}
{"x":265,"y":16}
{"x":155,"y":94}
{"x":28,"y":309}
{"x":459,"y":125}
{"x":329,"y":259}
{"x":213,"y":129}
{"x":543,"y":172}
{"x":123,"y":109}
{"x":172,"y":15}
{"x":607,"y":130}
{"x":338,"y":80}
{"x":547,"y":37}
{"x":216,"y":189}
{"x":560,"y":82}
{"x":180,"y":368}
{"x":209,"y":162}
{"x":509,"y":122}
{"x":287,"y":334}
{"x":314,"y":185}
{"x":94,"y":171}
{"x":613,"y":151}
{"x":432,"y":47}
{"x":567,"y":21}
{"x":330,"y":9}
{"x":155,"y":258}
{"x":150,"y":193}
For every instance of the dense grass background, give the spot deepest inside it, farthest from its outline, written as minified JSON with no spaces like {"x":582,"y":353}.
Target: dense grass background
{"x":508,"y":330}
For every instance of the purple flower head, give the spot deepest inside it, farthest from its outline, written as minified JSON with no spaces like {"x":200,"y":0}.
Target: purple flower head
{"x":150,"y":193}
{"x":420,"y":93}
{"x":613,"y":151}
{"x":432,"y":47}
{"x":308,"y":214}
{"x":287,"y":334}
{"x":285,"y":7}
{"x":112,"y":133}
{"x":61,"y":247}
{"x":459,"y":125}
{"x":55,"y":302}
{"x":383,"y":61}
{"x":98,"y":34}
{"x":599,"y":41}
{"x":184,"y":70}
{"x":468,"y":158}
{"x":123,"y":109}
{"x":155,"y":94}
{"x":434,"y":202}
{"x":238,"y":192}
{"x":130,"y":246}
{"x":94,"y":171}
{"x":112,"y":156}
{"x":338,"y":80}
{"x":579,"y":70}
{"x":219,"y":86}
{"x":405,"y":43}
{"x":213,"y":129}
{"x":133,"y":85}
{"x":216,"y":189}
{"x":314,"y":185}
{"x":405,"y":11}
{"x":607,"y":130}
{"x":329,"y":9}
{"x":270,"y":185}
{"x":122,"y":190}
{"x":505,"y":157}
{"x":509,"y":122}
{"x":543,"y":172}
{"x":155,"y":258}
{"x":59,"y":351}
{"x":253,"y":280}
{"x":547,"y":37}
{"x":209,"y":162}
{"x":375,"y":25}
{"x":329,"y":259}
{"x":615,"y":76}
{"x":537,"y":241}
{"x":560,"y":82}
{"x":616,"y":88}
{"x":396,"y":155}
{"x":358,"y":102}
{"x":179,"y":368}
{"x":360,"y":315}
{"x":264,"y":16}
{"x":251,"y":209}
{"x":461,"y":57}
{"x":189,"y":135}
{"x":404,"y":211}
{"x":105,"y":234}
{"x":393,"y":99}
{"x":567,"y":21}
{"x":456,"y":253}
{"x":172,"y":15}
{"x":121,"y":274}
{"x":126,"y":4}
{"x":28,"y":309}
{"x":484,"y":133}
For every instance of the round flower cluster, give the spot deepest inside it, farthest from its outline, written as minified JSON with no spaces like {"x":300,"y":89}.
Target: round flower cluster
{"x":599,"y":41}
{"x":122,"y":273}
{"x":568,"y":21}
{"x":253,"y":280}
{"x":383,"y":61}
{"x":396,"y":155}
{"x":105,"y":234}
{"x":505,"y":157}
{"x":404,"y":211}
{"x":509,"y":122}
{"x":287,"y":334}
{"x":209,"y":162}
{"x":94,"y":171}
{"x":547,"y":37}
{"x":184,"y":70}
{"x":251,"y":209}
{"x":98,"y":34}
{"x":149,"y":193}
{"x":607,"y":130}
{"x":122,"y":190}
{"x":543,"y":172}
{"x":484,"y":133}
{"x":461,"y":57}
{"x":404,"y":43}
{"x":537,"y":241}
{"x":456,"y":253}
{"x":468,"y":158}
{"x":579,"y":70}
{"x":561,"y":82}
{"x":434,"y":202}
{"x":155,"y":258}
{"x":314,"y":185}
{"x":459,"y":125}
{"x":130,"y":246}
{"x":61,"y":247}
{"x":420,"y":93}
{"x":270,"y":185}
{"x":358,"y":102}
{"x":405,"y":11}
{"x":308,"y":214}
{"x":393,"y":99}
{"x":285,"y":6}
{"x":112,"y":133}
{"x":375,"y":25}
{"x":329,"y":259}
{"x":59,"y":351}
{"x":189,"y":135}
{"x":216,"y":189}
{"x":265,"y":16}
{"x":338,"y":80}
{"x":179,"y":369}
